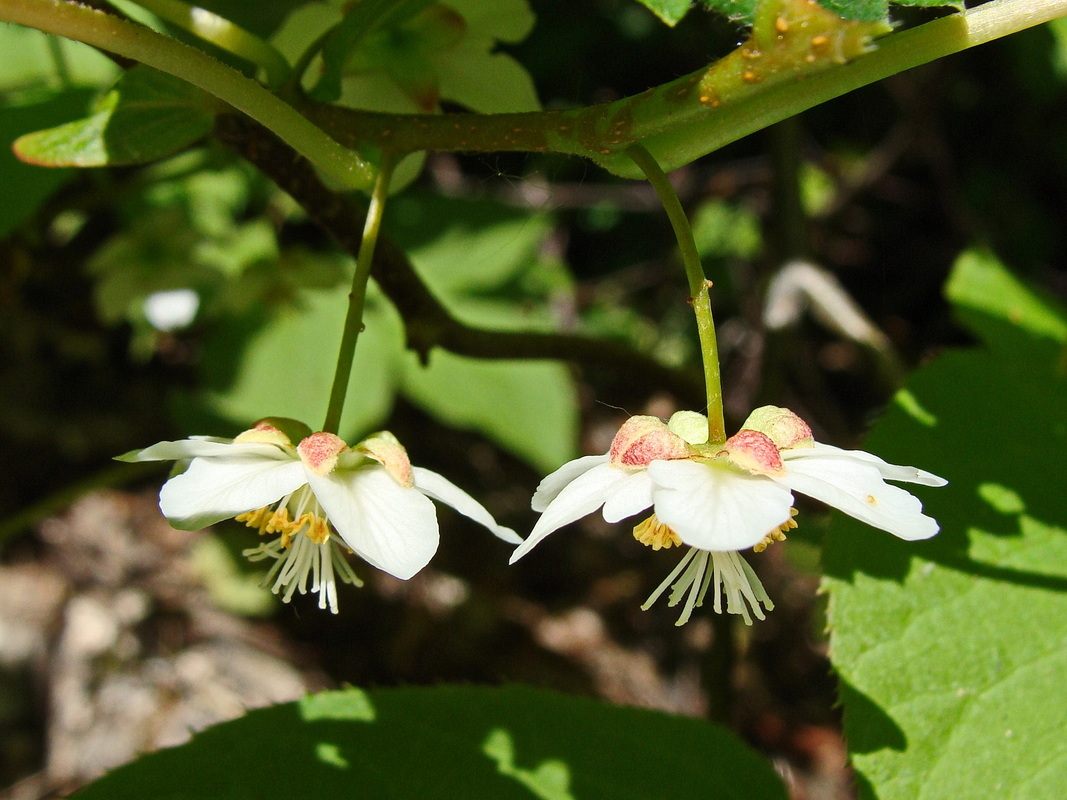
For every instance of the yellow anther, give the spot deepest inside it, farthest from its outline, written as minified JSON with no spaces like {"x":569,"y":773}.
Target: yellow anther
{"x":255,"y":519}
{"x":656,"y":535}
{"x":278,"y":521}
{"x":778,"y":534}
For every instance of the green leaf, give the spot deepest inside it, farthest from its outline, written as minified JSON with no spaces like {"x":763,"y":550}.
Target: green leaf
{"x":369,"y":19}
{"x":280,"y":362}
{"x":147,"y":115}
{"x":952,"y":652}
{"x":981,"y":288}
{"x":407,"y":57}
{"x":862,"y":10}
{"x":526,"y":407}
{"x":483,"y":261}
{"x":669,"y":11}
{"x":450,"y":742}
{"x":22,"y":187}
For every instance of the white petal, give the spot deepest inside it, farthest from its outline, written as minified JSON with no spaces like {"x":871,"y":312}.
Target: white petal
{"x":715,"y":507}
{"x":583,"y":495}
{"x":630,"y":496}
{"x":206,"y":447}
{"x":215,"y":489}
{"x":856,"y":487}
{"x":553,"y":484}
{"x":438,"y":488}
{"x":392,"y":527}
{"x":892,"y":472}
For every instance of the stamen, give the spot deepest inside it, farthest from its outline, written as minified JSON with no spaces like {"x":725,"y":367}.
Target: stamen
{"x":652,"y":598}
{"x":778,"y":534}
{"x":656,"y":535}
{"x":296,"y":554}
{"x":729,"y":576}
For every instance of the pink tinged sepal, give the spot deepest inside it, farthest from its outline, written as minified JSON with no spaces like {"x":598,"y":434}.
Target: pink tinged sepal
{"x":644,"y":439}
{"x":276,"y":430}
{"x":319,"y":452}
{"x":781,"y":426}
{"x":753,"y":451}
{"x":384,"y":448}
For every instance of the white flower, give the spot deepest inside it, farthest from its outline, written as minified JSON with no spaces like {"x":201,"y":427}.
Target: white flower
{"x":720,"y":499}
{"x":369,"y":495}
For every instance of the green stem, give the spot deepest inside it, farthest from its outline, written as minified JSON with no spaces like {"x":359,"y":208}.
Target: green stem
{"x":750,"y":89}
{"x":223,"y":34}
{"x":357,"y":298}
{"x":59,"y":61}
{"x":789,"y":222}
{"x":146,"y":46}
{"x":699,"y":296}
{"x":303,"y":63}
{"x":699,"y":113}
{"x":763,"y":105}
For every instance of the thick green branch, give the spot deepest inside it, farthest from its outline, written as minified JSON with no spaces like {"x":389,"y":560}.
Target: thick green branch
{"x":787,"y":66}
{"x":795,"y":59}
{"x":893,"y":54}
{"x":134,"y":41}
{"x":427,"y":322}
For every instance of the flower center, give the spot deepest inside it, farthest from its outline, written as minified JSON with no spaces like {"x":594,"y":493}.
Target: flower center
{"x":297,"y":513}
{"x":778,"y":534}
{"x":656,"y":535}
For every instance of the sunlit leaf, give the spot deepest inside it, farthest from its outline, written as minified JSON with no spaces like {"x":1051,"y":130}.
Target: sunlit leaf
{"x":672,"y":11}
{"x":952,"y":652}
{"x":147,"y":116}
{"x":451,"y":742}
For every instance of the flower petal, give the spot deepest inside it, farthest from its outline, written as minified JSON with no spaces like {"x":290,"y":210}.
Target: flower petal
{"x":856,"y":487}
{"x":214,"y":489}
{"x":714,"y":507}
{"x":390,"y":526}
{"x":554,"y":483}
{"x":892,"y":472}
{"x":583,"y":495}
{"x":204,"y":446}
{"x":630,"y":496}
{"x":438,"y":488}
